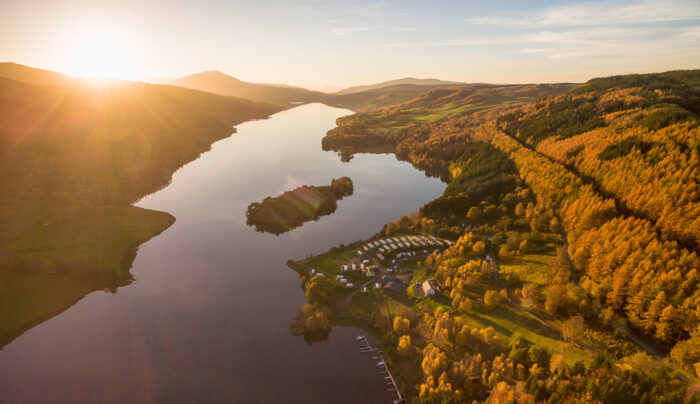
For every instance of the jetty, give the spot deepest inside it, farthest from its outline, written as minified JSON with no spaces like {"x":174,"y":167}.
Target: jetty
{"x":376,"y":354}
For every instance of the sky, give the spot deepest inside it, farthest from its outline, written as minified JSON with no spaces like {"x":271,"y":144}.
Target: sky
{"x":328,"y":45}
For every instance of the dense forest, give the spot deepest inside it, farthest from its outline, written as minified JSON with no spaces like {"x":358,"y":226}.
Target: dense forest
{"x":293,"y":208}
{"x":602,"y":181}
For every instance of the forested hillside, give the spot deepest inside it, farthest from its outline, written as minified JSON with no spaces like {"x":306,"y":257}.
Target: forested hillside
{"x":603,"y":180}
{"x":384,"y":125}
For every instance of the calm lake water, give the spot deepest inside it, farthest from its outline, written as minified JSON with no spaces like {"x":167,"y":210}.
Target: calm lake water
{"x":208,"y":316}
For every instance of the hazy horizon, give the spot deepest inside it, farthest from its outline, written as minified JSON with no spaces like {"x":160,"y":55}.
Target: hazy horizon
{"x":333,"y":45}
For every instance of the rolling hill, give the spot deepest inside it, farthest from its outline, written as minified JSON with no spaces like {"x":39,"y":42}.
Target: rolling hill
{"x":405,"y":81}
{"x":380,"y":121}
{"x":73,"y":156}
{"x":112,"y":142}
{"x":354,"y":98}
{"x":382,"y":97}
{"x":220,"y":83}
{"x":31,"y":75}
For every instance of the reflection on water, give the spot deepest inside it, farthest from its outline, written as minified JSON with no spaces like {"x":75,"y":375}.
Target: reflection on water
{"x":208,"y":315}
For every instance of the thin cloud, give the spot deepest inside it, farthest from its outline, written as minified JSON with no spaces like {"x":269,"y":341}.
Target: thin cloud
{"x":692,"y":32}
{"x":454,"y":43}
{"x":611,"y":42}
{"x":410,"y":29}
{"x":599,"y":13}
{"x":582,"y":43}
{"x":340,"y":31}
{"x":369,"y":10}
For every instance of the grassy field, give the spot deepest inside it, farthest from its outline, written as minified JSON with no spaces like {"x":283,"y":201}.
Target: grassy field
{"x":88,"y":240}
{"x":510,"y":322}
{"x":47,"y":268}
{"x":380,"y":149}
{"x":529,"y":268}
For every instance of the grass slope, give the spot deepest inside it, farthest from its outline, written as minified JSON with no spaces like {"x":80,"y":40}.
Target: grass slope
{"x":73,"y":156}
{"x":80,"y":249}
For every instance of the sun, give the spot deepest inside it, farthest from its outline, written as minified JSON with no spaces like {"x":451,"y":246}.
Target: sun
{"x":101,"y":51}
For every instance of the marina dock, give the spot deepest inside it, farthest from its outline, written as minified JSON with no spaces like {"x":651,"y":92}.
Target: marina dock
{"x":376,"y":354}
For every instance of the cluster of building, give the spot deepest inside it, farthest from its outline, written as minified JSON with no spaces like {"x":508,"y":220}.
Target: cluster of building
{"x":383,"y":247}
{"x":373,"y":256}
{"x":392,"y":284}
{"x":343,"y":281}
{"x":364,"y":266}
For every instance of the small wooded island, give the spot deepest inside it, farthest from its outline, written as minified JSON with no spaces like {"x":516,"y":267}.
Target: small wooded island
{"x":294,"y":208}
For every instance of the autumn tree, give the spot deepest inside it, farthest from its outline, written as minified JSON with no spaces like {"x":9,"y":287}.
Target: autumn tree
{"x":491,"y":298}
{"x":318,"y":290}
{"x":573,"y":328}
{"x":404,"y":348}
{"x":401,"y":325}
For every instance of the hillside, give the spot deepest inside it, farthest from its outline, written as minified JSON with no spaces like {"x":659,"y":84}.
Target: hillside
{"x":113,"y":142}
{"x":380,"y":125}
{"x":578,"y":211}
{"x":73,"y":158}
{"x":220,"y":83}
{"x":381,"y":97}
{"x":31,"y":75}
{"x":354,"y":98}
{"x":405,"y":81}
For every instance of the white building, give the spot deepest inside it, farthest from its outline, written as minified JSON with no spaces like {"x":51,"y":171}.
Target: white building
{"x":428,"y":288}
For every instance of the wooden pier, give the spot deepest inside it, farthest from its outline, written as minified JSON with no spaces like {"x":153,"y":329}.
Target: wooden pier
{"x":376,"y":354}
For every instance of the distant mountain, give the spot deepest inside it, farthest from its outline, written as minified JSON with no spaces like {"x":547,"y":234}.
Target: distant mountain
{"x":355,"y":98}
{"x":220,"y":83}
{"x":408,"y":80}
{"x":31,"y":75}
{"x":385,"y":96}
